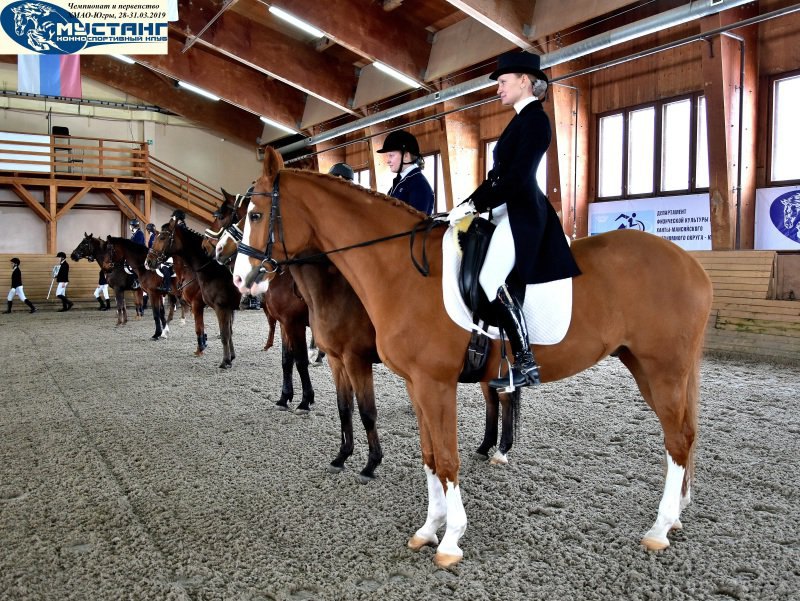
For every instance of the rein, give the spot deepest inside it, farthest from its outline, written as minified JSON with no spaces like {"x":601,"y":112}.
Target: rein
{"x":425,"y":226}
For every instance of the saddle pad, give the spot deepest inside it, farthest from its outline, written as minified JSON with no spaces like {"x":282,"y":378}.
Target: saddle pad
{"x":548,"y":306}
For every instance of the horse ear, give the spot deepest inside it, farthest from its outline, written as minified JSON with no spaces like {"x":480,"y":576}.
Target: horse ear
{"x":273,"y":162}
{"x":228,"y":197}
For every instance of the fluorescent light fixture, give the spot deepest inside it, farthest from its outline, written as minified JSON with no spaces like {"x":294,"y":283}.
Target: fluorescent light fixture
{"x":277,"y":125}
{"x":197,"y":90}
{"x":124,"y":59}
{"x":397,"y":75}
{"x":291,"y":19}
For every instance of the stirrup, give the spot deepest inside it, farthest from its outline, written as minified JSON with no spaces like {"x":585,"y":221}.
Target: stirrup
{"x":507,"y":385}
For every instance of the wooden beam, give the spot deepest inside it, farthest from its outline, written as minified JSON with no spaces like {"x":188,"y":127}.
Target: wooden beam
{"x":74,"y":199}
{"x":264,"y":49}
{"x":29,"y":200}
{"x":123,"y":202}
{"x":721,"y":66}
{"x":567,"y":158}
{"x":510,"y":19}
{"x":229,"y":80}
{"x":552,"y":16}
{"x":367,"y":30}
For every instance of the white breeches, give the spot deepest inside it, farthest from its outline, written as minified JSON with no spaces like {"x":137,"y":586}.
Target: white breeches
{"x":500,"y":257}
{"x":62,"y":288}
{"x":101,"y":288}
{"x":18,"y":291}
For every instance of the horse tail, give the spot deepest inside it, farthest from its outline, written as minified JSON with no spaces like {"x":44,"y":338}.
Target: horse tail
{"x":690,"y":421}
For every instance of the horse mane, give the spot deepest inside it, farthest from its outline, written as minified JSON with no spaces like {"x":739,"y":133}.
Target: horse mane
{"x":128,"y":244}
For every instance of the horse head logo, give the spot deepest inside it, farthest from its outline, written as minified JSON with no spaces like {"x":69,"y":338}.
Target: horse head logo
{"x":785,"y":214}
{"x":34,"y":25}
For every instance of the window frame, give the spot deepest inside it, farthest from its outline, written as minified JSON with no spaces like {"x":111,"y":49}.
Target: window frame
{"x":771,"y":183}
{"x":658,"y":148}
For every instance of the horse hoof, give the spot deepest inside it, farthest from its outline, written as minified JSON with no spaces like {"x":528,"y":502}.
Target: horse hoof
{"x":281,"y":406}
{"x":365,"y":478}
{"x":198,"y":353}
{"x":335,"y":469}
{"x":302,"y":411}
{"x":225,"y":365}
{"x":416,"y":542}
{"x":677,"y":525}
{"x":499,"y":459}
{"x":446,"y":560}
{"x":155,"y":337}
{"x":652,"y":543}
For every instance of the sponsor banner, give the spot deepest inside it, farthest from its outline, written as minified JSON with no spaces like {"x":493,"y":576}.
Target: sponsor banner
{"x":84,"y":27}
{"x":778,"y":218}
{"x":684,"y":220}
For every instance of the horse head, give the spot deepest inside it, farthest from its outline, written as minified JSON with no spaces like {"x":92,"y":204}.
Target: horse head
{"x":87,"y":249}
{"x":228,"y":244}
{"x":164,"y":244}
{"x":791,"y":211}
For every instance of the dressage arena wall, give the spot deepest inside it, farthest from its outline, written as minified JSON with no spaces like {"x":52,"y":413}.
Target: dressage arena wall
{"x":37,"y":273}
{"x":743,"y":317}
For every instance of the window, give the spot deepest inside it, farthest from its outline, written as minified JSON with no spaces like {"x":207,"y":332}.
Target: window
{"x":435,"y":176}
{"x":785,"y":129}
{"x":362,"y":178}
{"x":659,"y":148}
{"x":541,"y":172}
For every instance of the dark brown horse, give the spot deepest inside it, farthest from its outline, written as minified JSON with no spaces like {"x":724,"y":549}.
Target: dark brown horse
{"x":187,"y":289}
{"x":218,"y":292}
{"x":640,"y":298}
{"x":94,"y":249}
{"x":121,"y":252}
{"x":226,"y":218}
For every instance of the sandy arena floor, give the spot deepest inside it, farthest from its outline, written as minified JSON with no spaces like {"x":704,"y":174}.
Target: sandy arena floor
{"x":130,"y":469}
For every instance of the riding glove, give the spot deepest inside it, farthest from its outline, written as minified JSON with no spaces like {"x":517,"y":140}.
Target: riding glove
{"x":459,"y":212}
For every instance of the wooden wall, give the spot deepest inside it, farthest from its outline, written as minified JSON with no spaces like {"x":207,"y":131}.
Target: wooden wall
{"x":744,"y":319}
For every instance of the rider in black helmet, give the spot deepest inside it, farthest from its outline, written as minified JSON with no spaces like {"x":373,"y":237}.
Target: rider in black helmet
{"x":342,"y":170}
{"x":409,"y":185}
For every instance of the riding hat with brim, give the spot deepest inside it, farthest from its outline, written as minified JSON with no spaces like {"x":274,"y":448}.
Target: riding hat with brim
{"x":15,"y":261}
{"x":61,"y":255}
{"x":519,"y":62}
{"x":401,"y":141}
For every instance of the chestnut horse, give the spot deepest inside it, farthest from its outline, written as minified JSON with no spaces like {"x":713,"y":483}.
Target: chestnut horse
{"x":640,"y":298}
{"x":214,"y":280}
{"x":346,"y":334}
{"x":187,"y":288}
{"x":94,"y":249}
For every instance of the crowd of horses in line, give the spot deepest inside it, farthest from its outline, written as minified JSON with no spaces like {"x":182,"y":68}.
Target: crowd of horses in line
{"x":331,"y":255}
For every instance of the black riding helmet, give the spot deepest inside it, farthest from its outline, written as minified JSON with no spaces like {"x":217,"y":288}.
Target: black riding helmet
{"x":402,"y":141}
{"x":342,"y":170}
{"x":61,"y":255}
{"x":15,"y":261}
{"x":151,"y":227}
{"x":134,"y":223}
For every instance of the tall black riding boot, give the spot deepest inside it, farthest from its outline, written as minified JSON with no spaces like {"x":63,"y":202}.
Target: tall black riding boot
{"x":144,"y":301}
{"x":100,"y":302}
{"x":108,"y":304}
{"x":30,"y":305}
{"x":63,"y":303}
{"x":524,"y":372}
{"x":69,"y":303}
{"x":9,"y":307}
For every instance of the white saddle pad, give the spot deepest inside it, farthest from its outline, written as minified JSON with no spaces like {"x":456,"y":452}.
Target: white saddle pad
{"x":548,"y":307}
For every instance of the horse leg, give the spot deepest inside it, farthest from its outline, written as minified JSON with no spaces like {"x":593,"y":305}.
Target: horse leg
{"x":492,"y":412}
{"x":271,"y":335}
{"x":164,"y":323}
{"x":344,"y":403}
{"x":510,"y":404}
{"x":672,"y":391}
{"x":300,"y":351}
{"x":287,"y":365}
{"x":155,"y":306}
{"x":119,"y":296}
{"x":232,"y":351}
{"x":199,"y":326}
{"x":435,"y":404}
{"x":224,"y":320}
{"x":360,"y":375}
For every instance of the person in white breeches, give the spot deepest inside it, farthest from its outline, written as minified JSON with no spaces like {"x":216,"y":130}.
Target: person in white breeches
{"x":16,"y":287}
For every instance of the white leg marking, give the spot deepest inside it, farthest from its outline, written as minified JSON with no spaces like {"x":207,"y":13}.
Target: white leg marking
{"x":669,"y":510}
{"x":456,"y":523}
{"x":499,"y":458}
{"x":437,"y":512}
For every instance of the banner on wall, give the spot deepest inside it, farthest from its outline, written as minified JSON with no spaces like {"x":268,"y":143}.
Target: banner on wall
{"x":778,"y":218}
{"x":85,"y":27}
{"x":684,"y":220}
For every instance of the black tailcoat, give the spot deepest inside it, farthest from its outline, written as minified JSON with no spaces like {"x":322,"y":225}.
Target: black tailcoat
{"x":542,"y":251}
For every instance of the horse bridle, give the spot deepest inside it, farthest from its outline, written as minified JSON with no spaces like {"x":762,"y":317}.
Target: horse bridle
{"x":270,"y":266}
{"x":233,"y":229}
{"x":162,"y":256}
